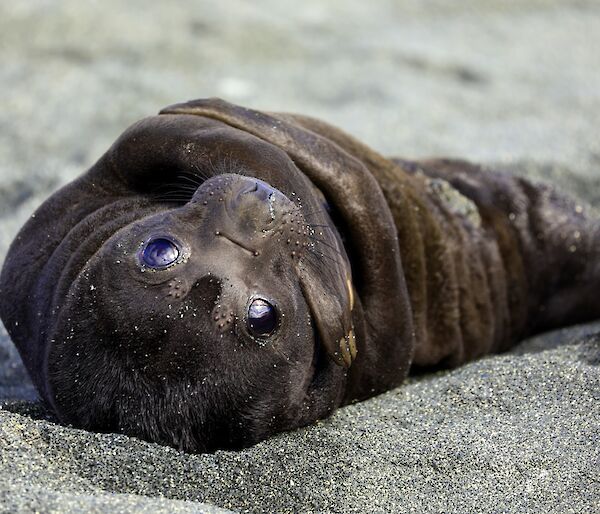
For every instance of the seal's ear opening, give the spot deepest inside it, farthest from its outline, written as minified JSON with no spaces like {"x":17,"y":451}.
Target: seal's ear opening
{"x":331,"y":311}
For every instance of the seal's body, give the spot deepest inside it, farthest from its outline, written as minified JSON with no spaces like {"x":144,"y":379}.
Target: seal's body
{"x":222,"y":274}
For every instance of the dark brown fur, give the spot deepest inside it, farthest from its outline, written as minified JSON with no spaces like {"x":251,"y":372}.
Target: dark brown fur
{"x":446,"y":262}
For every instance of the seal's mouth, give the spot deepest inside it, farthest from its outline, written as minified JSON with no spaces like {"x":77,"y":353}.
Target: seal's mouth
{"x":237,"y":242}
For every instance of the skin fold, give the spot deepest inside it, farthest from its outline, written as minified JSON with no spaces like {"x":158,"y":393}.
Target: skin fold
{"x":369,"y":267}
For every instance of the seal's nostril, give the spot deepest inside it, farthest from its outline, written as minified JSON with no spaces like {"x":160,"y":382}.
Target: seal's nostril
{"x":250,"y":189}
{"x":261,"y":190}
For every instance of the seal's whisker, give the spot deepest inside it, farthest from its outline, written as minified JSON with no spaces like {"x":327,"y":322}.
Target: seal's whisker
{"x":191,"y":178}
{"x":318,"y":255}
{"x":181,"y":193}
{"x":318,"y":241}
{"x":175,"y":187}
{"x":325,"y":243}
{"x":313,"y":259}
{"x":314,"y":213}
{"x":173,"y":196}
{"x":321,"y":254}
{"x":202,"y":174}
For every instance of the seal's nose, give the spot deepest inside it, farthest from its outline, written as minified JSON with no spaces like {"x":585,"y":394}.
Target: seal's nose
{"x":261,"y":190}
{"x":253,"y":203}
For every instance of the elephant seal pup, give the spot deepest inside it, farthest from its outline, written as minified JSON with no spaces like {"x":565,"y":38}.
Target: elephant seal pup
{"x":223,"y":274}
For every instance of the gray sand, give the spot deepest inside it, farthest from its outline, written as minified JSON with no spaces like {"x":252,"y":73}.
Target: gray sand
{"x":515,"y":84}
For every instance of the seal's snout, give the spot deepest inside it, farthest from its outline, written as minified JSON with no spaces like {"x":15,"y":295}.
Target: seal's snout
{"x":244,"y":210}
{"x":255,"y":202}
{"x":255,"y":196}
{"x":259,"y":189}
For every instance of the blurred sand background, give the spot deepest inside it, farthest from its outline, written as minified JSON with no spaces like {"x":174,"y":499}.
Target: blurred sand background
{"x":511,"y":83}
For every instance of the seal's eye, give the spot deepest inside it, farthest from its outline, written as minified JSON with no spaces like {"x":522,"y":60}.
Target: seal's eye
{"x":160,"y":253}
{"x":262,"y":318}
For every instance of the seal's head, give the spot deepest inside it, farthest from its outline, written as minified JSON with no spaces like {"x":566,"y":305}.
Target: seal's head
{"x":197,"y":324}
{"x":193,"y":288}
